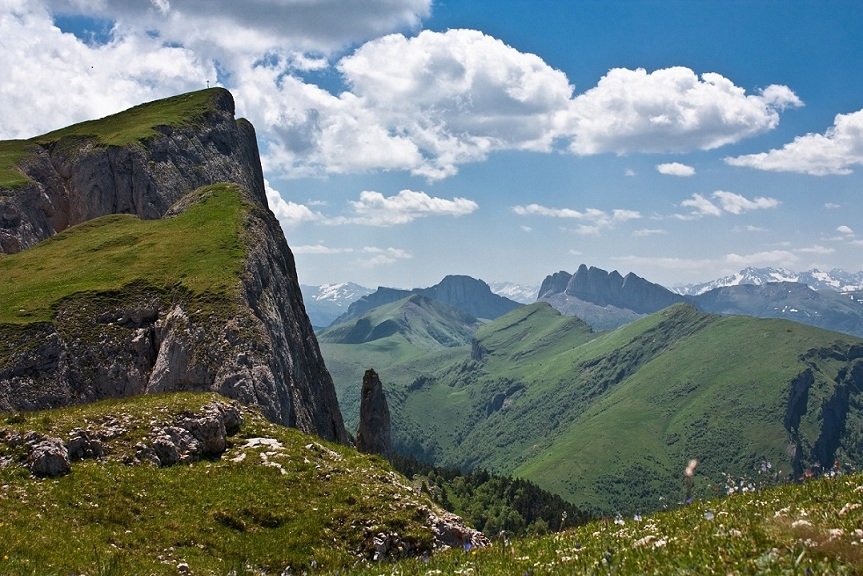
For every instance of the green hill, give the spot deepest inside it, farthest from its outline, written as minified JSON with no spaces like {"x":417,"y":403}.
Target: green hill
{"x":408,"y":338}
{"x":610,"y":420}
{"x":274,"y":500}
{"x":200,"y":251}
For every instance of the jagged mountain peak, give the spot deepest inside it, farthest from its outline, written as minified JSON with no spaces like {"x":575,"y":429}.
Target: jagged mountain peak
{"x":464,"y":293}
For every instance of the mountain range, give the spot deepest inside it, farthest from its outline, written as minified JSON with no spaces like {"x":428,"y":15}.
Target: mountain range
{"x":837,"y":280}
{"x":464,"y":293}
{"x":607,"y":300}
{"x":608,"y":419}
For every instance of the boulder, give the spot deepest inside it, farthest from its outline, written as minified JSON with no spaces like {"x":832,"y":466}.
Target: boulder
{"x":49,"y":457}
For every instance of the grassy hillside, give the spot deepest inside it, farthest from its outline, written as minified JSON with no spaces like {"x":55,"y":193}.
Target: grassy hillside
{"x":119,"y":129}
{"x":201,"y":249}
{"x":610,"y":420}
{"x":813,"y":528}
{"x":294,"y":502}
{"x":405,"y":339}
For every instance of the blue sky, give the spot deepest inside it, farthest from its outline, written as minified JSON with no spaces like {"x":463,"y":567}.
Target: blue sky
{"x":406,"y":140}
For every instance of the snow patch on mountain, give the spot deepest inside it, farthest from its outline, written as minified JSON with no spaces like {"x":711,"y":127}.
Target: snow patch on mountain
{"x":521,"y":293}
{"x":836,"y":279}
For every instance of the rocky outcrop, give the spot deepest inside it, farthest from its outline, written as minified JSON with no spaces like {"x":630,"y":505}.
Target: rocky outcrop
{"x":258,"y":348}
{"x":602,"y":299}
{"x":49,"y":457}
{"x":630,"y":292}
{"x":192,"y":436}
{"x":373,"y":433}
{"x":73,"y":179}
{"x":554,"y":284}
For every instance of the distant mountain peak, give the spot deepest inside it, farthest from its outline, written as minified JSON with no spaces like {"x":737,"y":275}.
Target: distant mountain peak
{"x":464,"y":293}
{"x":836,"y":279}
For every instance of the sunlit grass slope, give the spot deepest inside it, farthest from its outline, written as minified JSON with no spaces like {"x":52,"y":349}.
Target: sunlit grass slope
{"x":295,"y":503}
{"x":813,"y":528}
{"x":201,"y":250}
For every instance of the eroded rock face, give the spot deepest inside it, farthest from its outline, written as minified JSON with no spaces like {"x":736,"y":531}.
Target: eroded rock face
{"x":373,"y":434}
{"x":72,"y":183}
{"x":262,"y":352}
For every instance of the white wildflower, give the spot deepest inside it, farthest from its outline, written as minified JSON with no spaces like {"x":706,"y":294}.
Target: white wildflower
{"x":799,"y":523}
{"x":849,"y":507}
{"x":644,"y":541}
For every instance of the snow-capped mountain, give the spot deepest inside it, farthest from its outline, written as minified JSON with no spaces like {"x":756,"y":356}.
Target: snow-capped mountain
{"x":836,"y":279}
{"x":327,"y":302}
{"x":521,"y":293}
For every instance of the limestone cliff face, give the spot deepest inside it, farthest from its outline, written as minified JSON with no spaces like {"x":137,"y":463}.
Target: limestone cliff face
{"x":257,"y":347}
{"x":74,"y":179}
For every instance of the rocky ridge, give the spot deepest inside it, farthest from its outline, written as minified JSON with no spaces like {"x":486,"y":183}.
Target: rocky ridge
{"x":257,"y":346}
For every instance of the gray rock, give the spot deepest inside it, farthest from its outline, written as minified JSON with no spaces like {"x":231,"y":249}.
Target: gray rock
{"x":84,"y":444}
{"x":49,"y":457}
{"x":450,"y":531}
{"x":373,"y":433}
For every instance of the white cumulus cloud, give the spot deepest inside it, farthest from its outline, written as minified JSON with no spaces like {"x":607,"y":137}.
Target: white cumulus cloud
{"x":289,"y":213}
{"x":671,"y":110}
{"x":837,"y":151}
{"x":593,"y":220}
{"x":375,"y":209}
{"x":675,"y":169}
{"x":725,"y":202}
{"x":52,"y":79}
{"x":374,"y":256}
{"x":847,"y":230}
{"x":738,"y":204}
{"x":425,"y":104}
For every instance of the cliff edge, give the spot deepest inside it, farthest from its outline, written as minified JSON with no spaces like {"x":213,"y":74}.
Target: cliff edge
{"x":141,"y":257}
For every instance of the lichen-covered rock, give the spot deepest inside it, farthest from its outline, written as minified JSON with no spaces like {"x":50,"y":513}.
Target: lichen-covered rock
{"x":192,"y":436}
{"x":49,"y":457}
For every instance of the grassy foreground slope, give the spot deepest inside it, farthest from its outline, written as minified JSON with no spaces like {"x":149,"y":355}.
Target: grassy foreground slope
{"x":813,"y":528}
{"x":291,"y":502}
{"x":610,"y":420}
{"x":201,"y":250}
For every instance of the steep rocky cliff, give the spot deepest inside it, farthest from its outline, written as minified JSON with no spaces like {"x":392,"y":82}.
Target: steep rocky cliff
{"x":152,"y":319}
{"x":138,"y":162}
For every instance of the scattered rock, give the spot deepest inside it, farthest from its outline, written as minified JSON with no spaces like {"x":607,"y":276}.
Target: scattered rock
{"x":49,"y":457}
{"x":192,"y":436}
{"x":84,"y":444}
{"x":450,"y":531}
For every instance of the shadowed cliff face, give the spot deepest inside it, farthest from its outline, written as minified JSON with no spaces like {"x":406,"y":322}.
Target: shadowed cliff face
{"x":258,"y":347}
